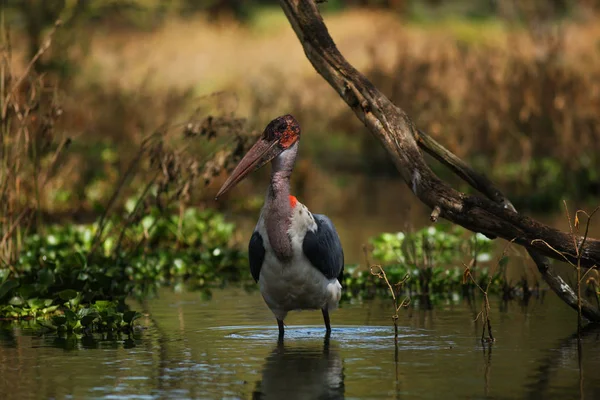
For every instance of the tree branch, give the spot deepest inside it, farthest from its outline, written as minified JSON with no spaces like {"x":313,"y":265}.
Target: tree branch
{"x":493,"y":216}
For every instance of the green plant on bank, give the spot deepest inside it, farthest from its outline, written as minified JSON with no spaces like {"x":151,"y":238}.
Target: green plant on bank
{"x":428,"y":262}
{"x":194,"y":248}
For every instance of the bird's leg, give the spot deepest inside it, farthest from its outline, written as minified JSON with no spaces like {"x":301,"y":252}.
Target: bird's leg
{"x":281,"y":330}
{"x":326,"y":319}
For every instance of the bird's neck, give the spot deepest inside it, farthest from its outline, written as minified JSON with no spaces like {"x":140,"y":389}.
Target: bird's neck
{"x":278,"y":210}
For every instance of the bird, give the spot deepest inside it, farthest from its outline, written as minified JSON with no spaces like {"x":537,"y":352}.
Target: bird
{"x":295,"y":256}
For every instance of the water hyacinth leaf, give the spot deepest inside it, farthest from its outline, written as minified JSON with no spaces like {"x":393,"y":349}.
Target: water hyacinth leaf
{"x":46,"y":277}
{"x":74,"y":302}
{"x":83,"y":312}
{"x":130,"y":316}
{"x":83,"y":276}
{"x":7,"y":286}
{"x":16,"y":301}
{"x":59,"y":320}
{"x":71,"y":318}
{"x":89,"y":318}
{"x":67,"y":294}
{"x":35,"y":303}
{"x":101,"y":305}
{"x":50,"y":309}
{"x":27,"y":291}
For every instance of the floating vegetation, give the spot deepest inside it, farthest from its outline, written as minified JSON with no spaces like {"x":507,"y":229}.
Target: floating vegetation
{"x":57,"y":273}
{"x":429,"y":262}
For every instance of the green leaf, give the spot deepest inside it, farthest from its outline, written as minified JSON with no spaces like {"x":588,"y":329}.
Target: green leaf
{"x":71,"y":318}
{"x":74,"y":302}
{"x":49,"y":309}
{"x":52,"y":240}
{"x":87,"y":316}
{"x":102,"y":305}
{"x":35,"y":303}
{"x":59,"y":320}
{"x":16,"y":301}
{"x":27,"y":291}
{"x":7,"y":286}
{"x":83,"y":312}
{"x":67,"y":294}
{"x":46,"y":277}
{"x":88,"y":319}
{"x":130,"y":316}
{"x":147,"y":222}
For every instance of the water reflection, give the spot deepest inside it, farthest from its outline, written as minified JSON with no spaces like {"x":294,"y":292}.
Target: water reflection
{"x":190,"y":350}
{"x":567,"y":354}
{"x":302,"y":372}
{"x":487,"y":366}
{"x":72,"y":341}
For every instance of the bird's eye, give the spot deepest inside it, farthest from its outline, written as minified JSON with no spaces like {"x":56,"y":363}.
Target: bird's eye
{"x":282,"y":126}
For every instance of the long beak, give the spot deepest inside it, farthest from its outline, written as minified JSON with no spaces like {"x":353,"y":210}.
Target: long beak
{"x":261,"y":153}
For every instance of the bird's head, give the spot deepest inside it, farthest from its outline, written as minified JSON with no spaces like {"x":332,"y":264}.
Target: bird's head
{"x":279,"y":135}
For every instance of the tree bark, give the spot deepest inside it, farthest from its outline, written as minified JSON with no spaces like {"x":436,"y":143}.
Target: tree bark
{"x":493,"y":216}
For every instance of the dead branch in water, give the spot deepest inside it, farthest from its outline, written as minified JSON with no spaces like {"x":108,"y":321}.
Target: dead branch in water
{"x":485,"y":308}
{"x":493,"y":216}
{"x":579,"y":250}
{"x":377,"y":270}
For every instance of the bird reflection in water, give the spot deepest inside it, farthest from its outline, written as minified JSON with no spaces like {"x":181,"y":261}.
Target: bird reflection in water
{"x":302,"y":372}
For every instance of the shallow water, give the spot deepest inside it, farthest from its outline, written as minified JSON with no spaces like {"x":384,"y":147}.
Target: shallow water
{"x":227,"y":348}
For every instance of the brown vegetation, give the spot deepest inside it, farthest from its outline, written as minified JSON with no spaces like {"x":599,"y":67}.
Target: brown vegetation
{"x":82,"y":152}
{"x":522,"y":107}
{"x":520,"y":103}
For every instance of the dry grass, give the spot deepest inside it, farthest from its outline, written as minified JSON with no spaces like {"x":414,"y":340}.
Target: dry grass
{"x":29,"y":150}
{"x":85,"y":148}
{"x":210,"y":56}
{"x":490,"y":92}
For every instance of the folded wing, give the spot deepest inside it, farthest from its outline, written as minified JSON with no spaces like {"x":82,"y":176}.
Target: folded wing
{"x":324,"y":249}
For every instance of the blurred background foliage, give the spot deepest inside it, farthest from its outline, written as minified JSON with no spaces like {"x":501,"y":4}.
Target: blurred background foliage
{"x":135,"y":108}
{"x":509,"y":85}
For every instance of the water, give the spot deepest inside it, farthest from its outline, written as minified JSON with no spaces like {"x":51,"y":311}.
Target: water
{"x":227,"y":348}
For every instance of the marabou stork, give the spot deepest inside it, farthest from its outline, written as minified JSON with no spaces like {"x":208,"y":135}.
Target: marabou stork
{"x":295,"y":256}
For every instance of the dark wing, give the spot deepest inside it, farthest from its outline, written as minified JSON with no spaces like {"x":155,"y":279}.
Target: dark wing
{"x":324,"y":249}
{"x":256,"y":254}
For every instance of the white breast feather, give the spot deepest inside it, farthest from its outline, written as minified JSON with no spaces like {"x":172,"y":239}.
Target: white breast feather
{"x":295,"y":285}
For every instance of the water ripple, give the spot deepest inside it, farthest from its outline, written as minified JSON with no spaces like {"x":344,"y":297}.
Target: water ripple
{"x":363,"y":337}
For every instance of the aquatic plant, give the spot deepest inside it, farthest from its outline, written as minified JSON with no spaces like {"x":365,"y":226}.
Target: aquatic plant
{"x":67,"y":313}
{"x":101,"y":316}
{"x":430,"y":262}
{"x":194,"y":248}
{"x":484,"y":314}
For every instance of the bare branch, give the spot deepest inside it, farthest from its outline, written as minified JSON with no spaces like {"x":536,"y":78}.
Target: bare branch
{"x":494,"y":218}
